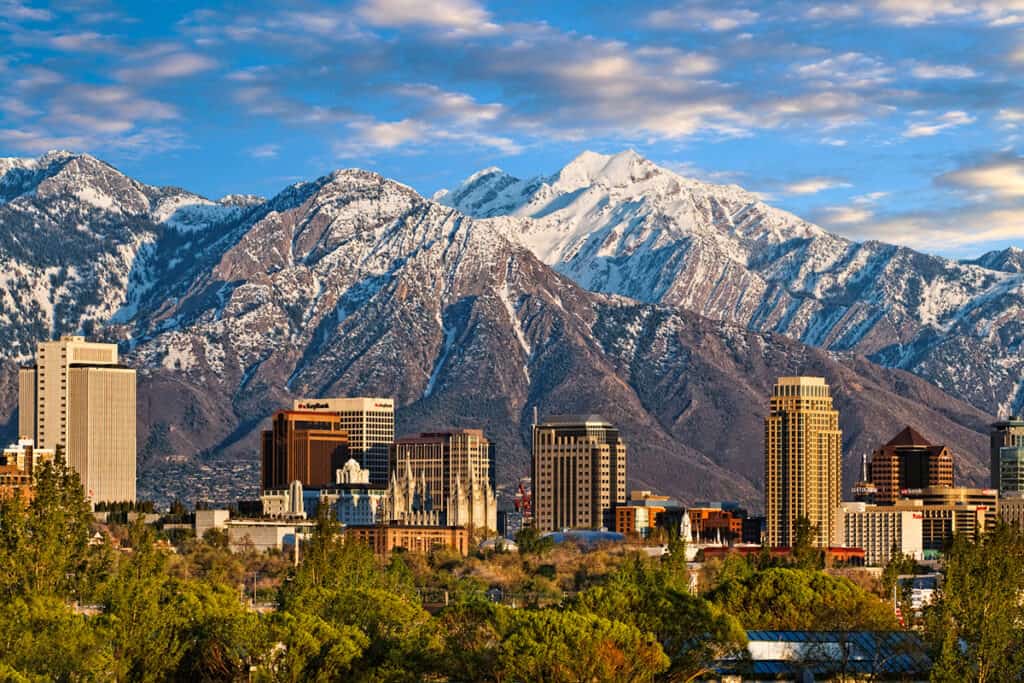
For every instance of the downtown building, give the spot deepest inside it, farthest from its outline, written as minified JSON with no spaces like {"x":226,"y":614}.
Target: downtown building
{"x":443,"y":479}
{"x":909,"y":461}
{"x":78,"y":400}
{"x":578,"y":473}
{"x":881,"y":530}
{"x":1006,"y":441}
{"x":370,"y":425}
{"x":803,"y":461}
{"x":304,"y":446}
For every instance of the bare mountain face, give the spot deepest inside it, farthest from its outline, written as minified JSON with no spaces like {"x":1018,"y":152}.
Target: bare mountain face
{"x":622,"y":225}
{"x":355,"y":285}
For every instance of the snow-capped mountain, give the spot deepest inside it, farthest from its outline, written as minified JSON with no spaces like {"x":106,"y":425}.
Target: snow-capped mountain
{"x":354,"y":284}
{"x":623,"y":225}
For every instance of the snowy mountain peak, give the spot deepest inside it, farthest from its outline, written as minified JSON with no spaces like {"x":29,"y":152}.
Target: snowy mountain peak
{"x":617,"y":170}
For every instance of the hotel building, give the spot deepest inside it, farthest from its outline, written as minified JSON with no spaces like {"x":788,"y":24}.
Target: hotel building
{"x":579,"y":473}
{"x":803,"y":460}
{"x":878,"y":530}
{"x":370,"y":425}
{"x":909,"y":461}
{"x":76,"y":398}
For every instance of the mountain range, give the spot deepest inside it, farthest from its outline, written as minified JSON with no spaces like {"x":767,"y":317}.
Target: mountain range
{"x":613,"y":286}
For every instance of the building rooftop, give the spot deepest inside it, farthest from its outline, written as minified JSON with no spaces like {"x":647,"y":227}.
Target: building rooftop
{"x":909,"y":437}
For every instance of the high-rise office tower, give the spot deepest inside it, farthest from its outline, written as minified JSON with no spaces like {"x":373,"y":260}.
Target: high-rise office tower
{"x":303,"y":446}
{"x":909,"y":461}
{"x":446,"y":475}
{"x":1011,"y":471}
{"x":1004,"y":433}
{"x":803,"y":460}
{"x":370,"y":424}
{"x":579,"y":472}
{"x":77,"y":398}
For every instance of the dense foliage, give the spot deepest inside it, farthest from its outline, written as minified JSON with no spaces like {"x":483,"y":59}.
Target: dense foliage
{"x":81,"y":601}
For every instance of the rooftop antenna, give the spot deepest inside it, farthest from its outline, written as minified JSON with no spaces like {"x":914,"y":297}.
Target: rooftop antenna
{"x":535,"y":416}
{"x":864,"y":467}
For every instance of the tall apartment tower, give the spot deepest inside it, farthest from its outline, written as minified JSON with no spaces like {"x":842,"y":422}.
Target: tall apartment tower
{"x":803,"y":460}
{"x":447,"y":474}
{"x":579,"y":472}
{"x":370,"y":424}
{"x":909,"y":461}
{"x":77,"y":398}
{"x":1004,"y":433}
{"x":304,"y":446}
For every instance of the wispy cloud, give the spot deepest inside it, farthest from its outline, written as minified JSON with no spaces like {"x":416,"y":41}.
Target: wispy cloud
{"x":814,"y":185}
{"x":691,"y":17}
{"x":268,"y":151}
{"x":940,"y":71}
{"x":951,"y":119}
{"x":176,"y":65}
{"x":454,"y":17}
{"x":1002,"y":177}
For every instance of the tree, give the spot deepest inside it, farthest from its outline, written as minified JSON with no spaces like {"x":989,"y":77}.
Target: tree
{"x":139,"y":618}
{"x":530,"y":541}
{"x":221,"y":639}
{"x":799,"y":599}
{"x":692,"y":632}
{"x":42,"y":639}
{"x":974,"y":627}
{"x":806,"y":553}
{"x":311,"y":649}
{"x":565,"y":646}
{"x":44,"y":542}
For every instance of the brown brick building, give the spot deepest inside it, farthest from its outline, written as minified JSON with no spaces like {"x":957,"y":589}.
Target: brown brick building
{"x":302,"y":445}
{"x":384,"y":538}
{"x":909,"y":461}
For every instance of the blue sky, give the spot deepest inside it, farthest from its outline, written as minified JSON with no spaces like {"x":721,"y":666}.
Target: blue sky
{"x":899,"y":120}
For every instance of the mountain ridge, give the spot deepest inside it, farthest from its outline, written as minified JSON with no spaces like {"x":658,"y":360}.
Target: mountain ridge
{"x":355,"y":284}
{"x":621,"y":224}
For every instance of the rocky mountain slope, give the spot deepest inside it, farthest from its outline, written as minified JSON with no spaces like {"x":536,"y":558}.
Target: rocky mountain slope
{"x":354,"y":284}
{"x":623,"y":225}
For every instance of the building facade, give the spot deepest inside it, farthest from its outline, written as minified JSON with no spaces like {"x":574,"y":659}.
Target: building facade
{"x":1011,"y":470}
{"x":303,"y":446}
{"x":1004,"y":433}
{"x":879,"y":530}
{"x":579,"y":473}
{"x":1011,"y":509}
{"x":385,"y":538}
{"x":78,"y":400}
{"x":803,"y":460}
{"x":370,"y":425}
{"x":909,"y":461}
{"x":443,"y":478}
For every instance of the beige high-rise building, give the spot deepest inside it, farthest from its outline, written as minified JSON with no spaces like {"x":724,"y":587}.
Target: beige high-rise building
{"x":803,"y":460}
{"x":370,"y":425}
{"x":579,"y":473}
{"x":78,"y":399}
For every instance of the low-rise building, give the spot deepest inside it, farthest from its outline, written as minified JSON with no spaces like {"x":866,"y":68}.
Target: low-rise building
{"x":210,"y":519}
{"x":880,"y":530}
{"x":385,"y":538}
{"x":262,"y":535}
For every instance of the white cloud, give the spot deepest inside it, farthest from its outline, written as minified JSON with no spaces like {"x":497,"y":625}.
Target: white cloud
{"x":814,"y":185}
{"x":1010,"y":116}
{"x":961,"y":230}
{"x":1002,"y":177}
{"x":268,"y":151}
{"x":453,"y":105}
{"x":936,"y":71}
{"x":950,"y":119}
{"x":709,"y":19}
{"x":20,"y":12}
{"x":834,"y":142}
{"x":845,"y":215}
{"x":918,"y":12}
{"x":175,"y":65}
{"x":370,"y":135}
{"x":37,"y":142}
{"x":457,"y":17}
{"x":847,"y":70}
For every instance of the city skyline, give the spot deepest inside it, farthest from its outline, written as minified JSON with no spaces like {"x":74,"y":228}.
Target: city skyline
{"x":893,"y":120}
